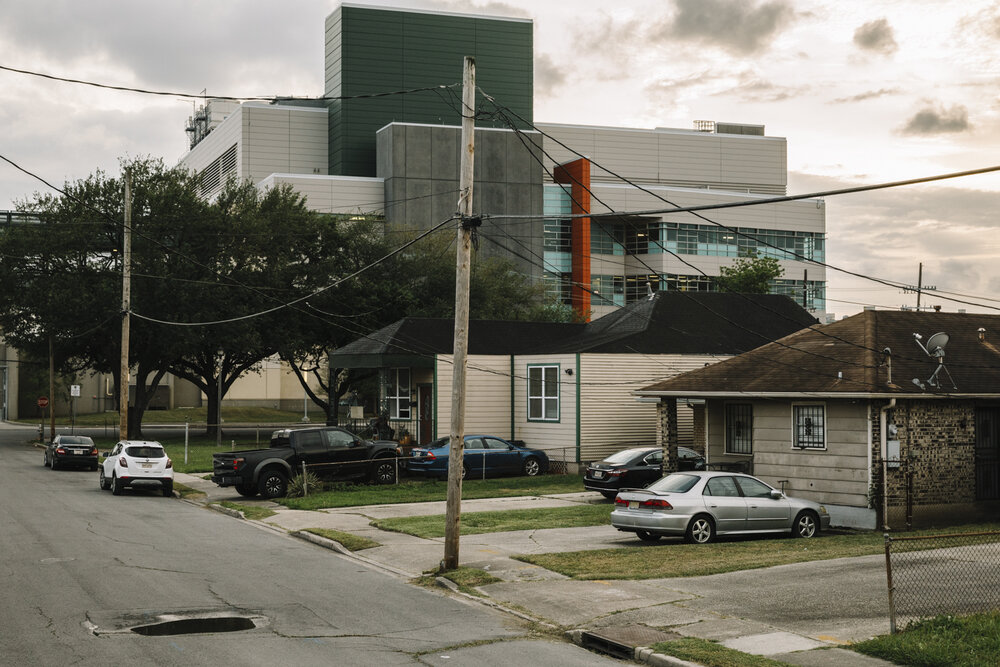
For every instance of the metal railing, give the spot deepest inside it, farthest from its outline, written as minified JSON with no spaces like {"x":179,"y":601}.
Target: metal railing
{"x":941,"y":574}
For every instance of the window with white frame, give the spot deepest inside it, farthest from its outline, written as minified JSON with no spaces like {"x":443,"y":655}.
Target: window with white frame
{"x":810,"y":426}
{"x":397,"y":393}
{"x":543,"y":393}
{"x":739,"y":428}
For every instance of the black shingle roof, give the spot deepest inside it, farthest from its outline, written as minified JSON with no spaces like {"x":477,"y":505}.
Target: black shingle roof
{"x":669,"y":323}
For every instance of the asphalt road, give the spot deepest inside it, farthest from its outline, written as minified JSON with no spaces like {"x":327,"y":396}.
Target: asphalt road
{"x":81,"y":567}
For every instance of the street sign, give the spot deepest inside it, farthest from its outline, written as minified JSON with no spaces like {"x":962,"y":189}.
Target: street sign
{"x":74,"y":390}
{"x":43,"y":401}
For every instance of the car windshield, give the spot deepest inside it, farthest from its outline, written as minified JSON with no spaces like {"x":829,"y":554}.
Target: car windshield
{"x":623,"y":456}
{"x":675,"y":483}
{"x":145,"y":452}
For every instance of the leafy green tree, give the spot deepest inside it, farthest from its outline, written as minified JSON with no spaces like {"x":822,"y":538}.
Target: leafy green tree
{"x":749,"y":275}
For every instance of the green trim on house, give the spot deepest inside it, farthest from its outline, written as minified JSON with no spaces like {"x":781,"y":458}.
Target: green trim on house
{"x":434,"y":393}
{"x":512,"y":393}
{"x":578,"y":407}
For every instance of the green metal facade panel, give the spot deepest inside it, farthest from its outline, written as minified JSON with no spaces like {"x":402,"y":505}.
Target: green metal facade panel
{"x":377,"y":51}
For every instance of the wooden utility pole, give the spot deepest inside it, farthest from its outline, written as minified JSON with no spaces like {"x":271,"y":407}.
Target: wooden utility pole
{"x":52,"y":389}
{"x":126,"y":305}
{"x":463,"y":270}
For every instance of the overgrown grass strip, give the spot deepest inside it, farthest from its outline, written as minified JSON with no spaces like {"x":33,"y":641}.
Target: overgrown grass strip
{"x":476,"y":523}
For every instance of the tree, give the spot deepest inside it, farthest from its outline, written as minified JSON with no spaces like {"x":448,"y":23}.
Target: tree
{"x":65,"y":285}
{"x":418,"y":283}
{"x":749,"y":275}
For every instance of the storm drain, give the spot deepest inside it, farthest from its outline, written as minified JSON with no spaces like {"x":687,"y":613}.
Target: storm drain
{"x":191,"y":626}
{"x":621,"y":642}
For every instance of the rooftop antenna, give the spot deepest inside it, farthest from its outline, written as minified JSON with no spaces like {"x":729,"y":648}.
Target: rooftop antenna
{"x":934,"y":349}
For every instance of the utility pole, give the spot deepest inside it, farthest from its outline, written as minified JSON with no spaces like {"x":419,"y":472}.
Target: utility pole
{"x":920,"y":280}
{"x":463,"y":270}
{"x":52,"y":389}
{"x":126,"y":306}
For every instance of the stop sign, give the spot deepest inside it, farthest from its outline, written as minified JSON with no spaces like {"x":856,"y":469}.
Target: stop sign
{"x":43,"y":402}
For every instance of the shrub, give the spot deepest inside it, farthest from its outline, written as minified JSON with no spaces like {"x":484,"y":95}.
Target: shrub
{"x":297,"y":485}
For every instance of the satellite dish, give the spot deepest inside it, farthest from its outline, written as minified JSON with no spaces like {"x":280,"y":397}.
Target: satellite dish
{"x":936,"y":344}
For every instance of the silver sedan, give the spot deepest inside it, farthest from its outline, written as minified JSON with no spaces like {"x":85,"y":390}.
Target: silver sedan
{"x":701,"y":505}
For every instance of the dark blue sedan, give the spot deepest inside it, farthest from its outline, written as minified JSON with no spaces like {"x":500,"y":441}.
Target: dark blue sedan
{"x":485,"y":456}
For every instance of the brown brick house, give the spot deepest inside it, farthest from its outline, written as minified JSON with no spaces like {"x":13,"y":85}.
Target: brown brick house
{"x":826,"y":410}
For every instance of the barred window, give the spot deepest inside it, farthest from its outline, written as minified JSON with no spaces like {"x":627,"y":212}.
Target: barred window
{"x":810,"y":427}
{"x":739,"y":428}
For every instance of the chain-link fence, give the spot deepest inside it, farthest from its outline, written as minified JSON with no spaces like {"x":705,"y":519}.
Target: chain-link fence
{"x":941,"y":574}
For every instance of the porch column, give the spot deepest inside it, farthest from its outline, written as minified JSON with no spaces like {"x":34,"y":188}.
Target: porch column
{"x":668,"y":428}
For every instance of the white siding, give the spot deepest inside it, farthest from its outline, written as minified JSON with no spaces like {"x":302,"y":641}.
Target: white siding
{"x":487,"y":395}
{"x":611,"y":419}
{"x":558,"y":439}
{"x":683,"y":158}
{"x":335,"y":194}
{"x":837,"y":475}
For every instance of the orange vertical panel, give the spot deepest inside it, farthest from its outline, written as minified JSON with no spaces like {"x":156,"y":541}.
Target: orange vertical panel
{"x":576,"y":174}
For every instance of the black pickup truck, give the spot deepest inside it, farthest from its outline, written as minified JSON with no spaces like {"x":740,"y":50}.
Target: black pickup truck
{"x":331,"y":452}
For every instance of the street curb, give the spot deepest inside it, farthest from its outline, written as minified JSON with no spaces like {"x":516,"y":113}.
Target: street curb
{"x":490,"y":602}
{"x":334,"y":545}
{"x":642,"y":653}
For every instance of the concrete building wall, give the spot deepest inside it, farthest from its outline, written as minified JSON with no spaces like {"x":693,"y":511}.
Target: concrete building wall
{"x":684,"y":158}
{"x":420,"y":167}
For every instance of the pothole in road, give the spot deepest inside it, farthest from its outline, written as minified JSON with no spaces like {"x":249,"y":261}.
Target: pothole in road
{"x":194,"y":626}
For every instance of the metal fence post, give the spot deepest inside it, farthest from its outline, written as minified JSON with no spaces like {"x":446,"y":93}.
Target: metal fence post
{"x":185,"y":443}
{"x":888,"y":576}
{"x":305,"y":481}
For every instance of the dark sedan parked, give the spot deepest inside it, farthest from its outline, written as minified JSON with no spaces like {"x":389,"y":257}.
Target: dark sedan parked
{"x":77,"y":451}
{"x":635,"y":468}
{"x":484,"y":456}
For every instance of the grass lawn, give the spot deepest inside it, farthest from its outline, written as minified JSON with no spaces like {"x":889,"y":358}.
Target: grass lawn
{"x":944,"y":641}
{"x":410,"y":491}
{"x":252,"y":512}
{"x":474,"y":523}
{"x":691,"y":560}
{"x":710,"y":654}
{"x":350,"y":541}
{"x":230,"y":415}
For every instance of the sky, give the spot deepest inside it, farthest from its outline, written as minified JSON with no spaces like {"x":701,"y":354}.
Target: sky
{"x":864,"y":91}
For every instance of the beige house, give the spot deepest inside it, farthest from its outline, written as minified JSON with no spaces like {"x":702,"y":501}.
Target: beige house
{"x":565,"y":388}
{"x":874,"y":416}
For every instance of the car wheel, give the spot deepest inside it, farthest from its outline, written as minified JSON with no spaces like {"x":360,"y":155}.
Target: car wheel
{"x":532,"y":466}
{"x":806,"y":525}
{"x":465,"y":471}
{"x":272,"y":484}
{"x":383,"y":471}
{"x":52,"y":463}
{"x":610,"y":495}
{"x":646,"y":536}
{"x":701,"y":530}
{"x":246,"y":490}
{"x":45,"y":460}
{"x":168,"y":490}
{"x":116,"y":486}
{"x":103,"y":481}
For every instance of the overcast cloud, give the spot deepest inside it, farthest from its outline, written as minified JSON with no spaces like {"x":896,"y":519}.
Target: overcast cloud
{"x":864,"y":91}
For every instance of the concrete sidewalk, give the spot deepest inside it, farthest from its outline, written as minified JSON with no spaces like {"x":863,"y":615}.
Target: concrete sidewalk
{"x":620,"y":609}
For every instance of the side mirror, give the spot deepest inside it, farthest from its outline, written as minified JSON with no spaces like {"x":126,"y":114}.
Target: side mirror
{"x":777,"y":495}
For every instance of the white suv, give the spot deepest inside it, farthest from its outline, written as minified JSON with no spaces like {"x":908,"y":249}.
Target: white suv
{"x":137,"y":463}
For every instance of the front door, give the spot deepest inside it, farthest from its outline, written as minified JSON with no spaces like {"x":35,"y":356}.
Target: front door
{"x":425,"y":414}
{"x":987,"y":453}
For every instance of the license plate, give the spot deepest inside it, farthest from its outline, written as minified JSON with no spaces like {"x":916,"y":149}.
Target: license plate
{"x":598,"y":474}
{"x":632,"y":504}
{"x":146,"y":466}
{"x":78,"y":452}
